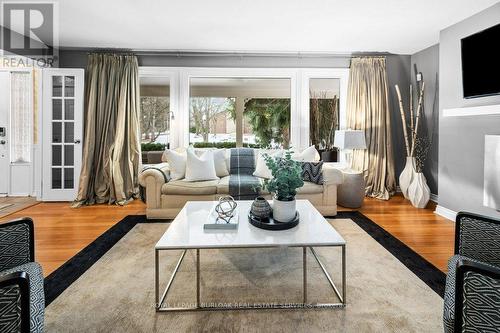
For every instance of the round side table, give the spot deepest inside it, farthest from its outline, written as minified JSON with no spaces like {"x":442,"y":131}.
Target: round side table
{"x":351,"y":192}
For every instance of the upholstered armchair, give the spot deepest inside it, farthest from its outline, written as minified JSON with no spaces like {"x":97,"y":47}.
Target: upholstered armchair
{"x":22,"y":300}
{"x":472,"y":292}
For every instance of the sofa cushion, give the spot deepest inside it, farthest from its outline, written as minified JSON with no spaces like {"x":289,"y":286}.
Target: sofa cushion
{"x":261,"y":169}
{"x":200,"y":168}
{"x":309,"y":154}
{"x":177,"y":163}
{"x":190,"y":188}
{"x":223,"y":186}
{"x":308,"y":188}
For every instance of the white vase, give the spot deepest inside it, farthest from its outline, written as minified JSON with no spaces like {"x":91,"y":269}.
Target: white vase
{"x":284,"y":211}
{"x":406,"y":176}
{"x":419,"y":192}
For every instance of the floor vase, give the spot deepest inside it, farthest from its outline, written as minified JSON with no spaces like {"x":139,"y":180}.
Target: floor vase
{"x":419,"y":192}
{"x":407,"y":175}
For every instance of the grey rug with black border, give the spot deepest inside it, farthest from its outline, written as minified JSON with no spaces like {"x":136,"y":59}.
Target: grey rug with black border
{"x":109,"y":286}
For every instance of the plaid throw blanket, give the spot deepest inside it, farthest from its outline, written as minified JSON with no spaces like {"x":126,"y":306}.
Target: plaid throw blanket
{"x":242,"y":184}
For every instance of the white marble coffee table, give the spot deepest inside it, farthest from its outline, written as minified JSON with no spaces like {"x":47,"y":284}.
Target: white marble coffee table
{"x":186,"y":233}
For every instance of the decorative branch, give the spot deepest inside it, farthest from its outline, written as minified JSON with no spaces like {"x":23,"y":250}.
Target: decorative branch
{"x":417,"y":120}
{"x":403,"y":119}
{"x":411,"y":109}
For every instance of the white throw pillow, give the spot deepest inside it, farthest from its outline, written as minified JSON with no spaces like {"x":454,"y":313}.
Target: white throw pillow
{"x":309,"y":154}
{"x":221,"y":168}
{"x":261,"y":169}
{"x":176,"y":162}
{"x":200,"y":168}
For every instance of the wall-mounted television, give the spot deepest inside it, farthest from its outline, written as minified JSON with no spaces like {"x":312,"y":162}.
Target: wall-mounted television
{"x":481,"y":63}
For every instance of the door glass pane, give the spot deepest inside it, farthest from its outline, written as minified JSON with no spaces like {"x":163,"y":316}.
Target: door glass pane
{"x":56,"y":132}
{"x":56,"y":109}
{"x":69,"y":109}
{"x":68,"y":177}
{"x":323,"y":112}
{"x":69,"y":128}
{"x":56,"y":178}
{"x":21,"y":113}
{"x":56,"y":155}
{"x":57,"y":86}
{"x":259,"y":115}
{"x":69,"y":86}
{"x":68,"y":155}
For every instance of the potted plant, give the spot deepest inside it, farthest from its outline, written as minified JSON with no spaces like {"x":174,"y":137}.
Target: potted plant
{"x":286,"y":179}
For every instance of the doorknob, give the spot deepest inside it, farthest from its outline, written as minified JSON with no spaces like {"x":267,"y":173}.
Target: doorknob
{"x":2,"y":142}
{"x":77,"y":142}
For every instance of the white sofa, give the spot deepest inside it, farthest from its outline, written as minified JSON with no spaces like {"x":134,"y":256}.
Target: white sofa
{"x":164,"y":199}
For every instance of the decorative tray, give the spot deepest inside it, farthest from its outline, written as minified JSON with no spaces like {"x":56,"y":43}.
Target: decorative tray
{"x":271,"y":224}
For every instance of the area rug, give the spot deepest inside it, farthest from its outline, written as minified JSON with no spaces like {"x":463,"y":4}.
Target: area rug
{"x":116,"y":293}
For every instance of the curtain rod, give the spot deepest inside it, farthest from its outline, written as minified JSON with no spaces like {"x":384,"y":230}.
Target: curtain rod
{"x":221,"y":54}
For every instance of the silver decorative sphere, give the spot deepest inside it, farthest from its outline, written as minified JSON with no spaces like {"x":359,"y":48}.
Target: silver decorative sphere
{"x":225,"y":208}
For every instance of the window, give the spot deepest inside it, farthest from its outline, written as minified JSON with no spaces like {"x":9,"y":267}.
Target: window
{"x":323,"y":112}
{"x":235,"y":112}
{"x":21,"y":117}
{"x":155,"y":111}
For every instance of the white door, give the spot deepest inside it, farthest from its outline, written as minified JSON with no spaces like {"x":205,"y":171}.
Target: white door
{"x":4,"y":128}
{"x":62,"y":133}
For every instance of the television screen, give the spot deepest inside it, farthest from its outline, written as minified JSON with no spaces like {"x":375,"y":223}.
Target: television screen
{"x":481,"y":63}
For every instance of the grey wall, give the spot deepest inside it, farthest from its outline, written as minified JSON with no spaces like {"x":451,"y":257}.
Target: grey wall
{"x":427,"y":63}
{"x":461,"y":139}
{"x":398,"y":72}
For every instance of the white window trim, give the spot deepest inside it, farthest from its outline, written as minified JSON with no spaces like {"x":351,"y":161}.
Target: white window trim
{"x":173,"y":75}
{"x":299,"y":95}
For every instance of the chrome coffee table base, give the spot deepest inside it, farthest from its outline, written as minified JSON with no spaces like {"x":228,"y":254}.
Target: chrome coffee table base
{"x":246,"y":306}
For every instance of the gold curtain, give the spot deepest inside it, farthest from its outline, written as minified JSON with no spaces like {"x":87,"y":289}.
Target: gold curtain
{"x":368,"y":110}
{"x":111,"y":153}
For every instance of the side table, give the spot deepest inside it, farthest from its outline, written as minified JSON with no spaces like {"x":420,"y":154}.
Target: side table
{"x":351,"y":192}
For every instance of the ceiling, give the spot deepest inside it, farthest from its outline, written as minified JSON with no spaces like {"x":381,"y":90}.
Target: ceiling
{"x":329,"y":26}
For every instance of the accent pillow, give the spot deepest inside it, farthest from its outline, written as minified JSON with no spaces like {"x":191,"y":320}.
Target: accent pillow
{"x":200,"y":168}
{"x":261,"y":169}
{"x":311,"y":172}
{"x":220,"y":162}
{"x":176,"y":162}
{"x":309,"y":154}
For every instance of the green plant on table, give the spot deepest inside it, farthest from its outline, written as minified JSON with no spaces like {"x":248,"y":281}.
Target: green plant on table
{"x":287,"y":176}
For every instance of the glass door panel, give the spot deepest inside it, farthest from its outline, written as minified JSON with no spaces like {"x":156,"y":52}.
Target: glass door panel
{"x":62,"y":121}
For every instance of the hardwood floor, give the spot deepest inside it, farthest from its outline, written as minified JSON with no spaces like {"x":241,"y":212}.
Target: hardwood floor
{"x":62,"y":231}
{"x":9,"y":205}
{"x":428,"y":234}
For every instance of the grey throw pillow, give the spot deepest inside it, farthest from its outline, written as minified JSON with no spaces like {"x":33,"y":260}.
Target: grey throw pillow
{"x":311,"y":172}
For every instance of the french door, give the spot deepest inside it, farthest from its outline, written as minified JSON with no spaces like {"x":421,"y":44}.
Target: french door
{"x":62,"y":133}
{"x":4,"y":128}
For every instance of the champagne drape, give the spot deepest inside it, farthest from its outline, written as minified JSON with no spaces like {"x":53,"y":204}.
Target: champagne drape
{"x":368,"y":110}
{"x":111,"y":153}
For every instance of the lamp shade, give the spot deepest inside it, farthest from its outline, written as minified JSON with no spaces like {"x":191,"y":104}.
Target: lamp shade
{"x":350,"y":139}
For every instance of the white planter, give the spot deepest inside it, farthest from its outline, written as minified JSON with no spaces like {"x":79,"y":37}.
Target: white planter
{"x":284,"y":211}
{"x":419,"y":192}
{"x":407,"y":175}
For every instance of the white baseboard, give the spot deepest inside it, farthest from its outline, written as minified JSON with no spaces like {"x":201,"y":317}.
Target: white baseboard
{"x":446,"y":213}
